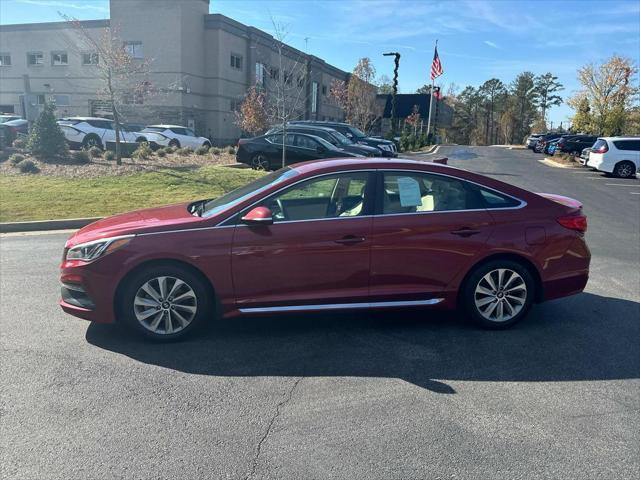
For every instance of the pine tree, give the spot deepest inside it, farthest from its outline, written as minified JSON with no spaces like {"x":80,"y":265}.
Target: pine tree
{"x":46,"y":139}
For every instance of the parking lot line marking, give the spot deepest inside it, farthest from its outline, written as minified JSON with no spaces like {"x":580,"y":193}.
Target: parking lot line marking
{"x":634,"y":193}
{"x":622,"y":185}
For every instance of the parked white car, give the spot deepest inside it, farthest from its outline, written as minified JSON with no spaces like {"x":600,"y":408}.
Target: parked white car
{"x":94,"y":132}
{"x":179,"y":136}
{"x":617,"y":155}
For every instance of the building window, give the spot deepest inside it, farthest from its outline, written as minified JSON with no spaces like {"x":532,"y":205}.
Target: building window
{"x":260,"y":70}
{"x":236,"y":61}
{"x":5,"y":60}
{"x":59,"y":59}
{"x":41,"y":99}
{"x":235,"y":104}
{"x":324,"y":90}
{"x":61,"y":100}
{"x":35,"y":59}
{"x":274,"y":73}
{"x":90,"y":58}
{"x":314,"y":97}
{"x":134,"y":49}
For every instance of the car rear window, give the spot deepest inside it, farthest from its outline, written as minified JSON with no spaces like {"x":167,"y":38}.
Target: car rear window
{"x":627,"y":144}
{"x":493,"y":199}
{"x":599,"y":144}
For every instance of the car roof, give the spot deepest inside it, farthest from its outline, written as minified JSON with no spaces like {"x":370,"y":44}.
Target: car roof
{"x":166,"y":126}
{"x":310,"y":126}
{"x":369,"y":163}
{"x":17,"y":121}
{"x":82,"y":119}
{"x":630,"y":137}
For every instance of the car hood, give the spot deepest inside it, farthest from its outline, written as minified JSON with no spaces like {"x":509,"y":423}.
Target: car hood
{"x":170,"y":217}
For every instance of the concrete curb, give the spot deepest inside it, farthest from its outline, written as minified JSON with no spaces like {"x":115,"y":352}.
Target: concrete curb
{"x":551,"y":163}
{"x":40,"y":225}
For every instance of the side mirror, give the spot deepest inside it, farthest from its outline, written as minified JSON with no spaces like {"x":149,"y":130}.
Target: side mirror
{"x":258,"y":216}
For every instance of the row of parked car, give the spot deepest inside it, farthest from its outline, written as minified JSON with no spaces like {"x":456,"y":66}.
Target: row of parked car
{"x":619,"y":156}
{"x":310,"y":140}
{"x":87,"y":132}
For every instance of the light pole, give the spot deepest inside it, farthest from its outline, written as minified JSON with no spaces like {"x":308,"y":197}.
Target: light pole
{"x":394,"y":91}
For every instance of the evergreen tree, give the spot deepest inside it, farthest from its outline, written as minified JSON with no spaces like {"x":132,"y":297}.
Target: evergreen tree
{"x":545,"y":87}
{"x":46,"y":138}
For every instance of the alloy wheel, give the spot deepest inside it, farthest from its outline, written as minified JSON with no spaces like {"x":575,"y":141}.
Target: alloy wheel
{"x":165,"y":305}
{"x":500,"y":295}
{"x":260,"y":162}
{"x":625,"y":170}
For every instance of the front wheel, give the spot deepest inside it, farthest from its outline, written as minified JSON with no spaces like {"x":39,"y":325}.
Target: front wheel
{"x":166,"y":303}
{"x":624,"y":170}
{"x":498,"y":294}
{"x":91,"y":140}
{"x":174,"y":143}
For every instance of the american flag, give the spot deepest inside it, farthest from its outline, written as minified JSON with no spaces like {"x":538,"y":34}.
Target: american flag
{"x":436,"y":66}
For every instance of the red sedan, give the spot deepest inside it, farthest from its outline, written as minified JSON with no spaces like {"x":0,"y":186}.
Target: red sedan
{"x":331,"y":235}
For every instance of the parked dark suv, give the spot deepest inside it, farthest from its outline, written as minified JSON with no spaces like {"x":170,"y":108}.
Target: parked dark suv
{"x":387,"y":147}
{"x":543,"y":141}
{"x":575,"y":143}
{"x":334,"y":137}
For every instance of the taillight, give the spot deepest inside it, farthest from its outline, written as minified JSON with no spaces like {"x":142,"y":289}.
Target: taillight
{"x":604,"y":148}
{"x":577,"y":223}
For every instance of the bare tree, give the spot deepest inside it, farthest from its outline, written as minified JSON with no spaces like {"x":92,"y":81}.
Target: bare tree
{"x":123,"y":78}
{"x":286,"y":93}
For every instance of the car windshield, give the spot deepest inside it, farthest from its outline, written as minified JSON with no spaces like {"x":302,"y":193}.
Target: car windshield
{"x":340,"y":138}
{"x":356,"y":132}
{"x":238,"y":195}
{"x":6,"y":118}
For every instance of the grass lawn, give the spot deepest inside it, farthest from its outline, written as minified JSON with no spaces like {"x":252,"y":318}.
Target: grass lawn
{"x":33,"y":197}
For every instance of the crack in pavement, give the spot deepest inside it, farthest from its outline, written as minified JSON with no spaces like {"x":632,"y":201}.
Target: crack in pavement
{"x":279,"y":406}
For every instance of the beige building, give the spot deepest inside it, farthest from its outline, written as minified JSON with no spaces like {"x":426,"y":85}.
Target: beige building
{"x":201,"y":67}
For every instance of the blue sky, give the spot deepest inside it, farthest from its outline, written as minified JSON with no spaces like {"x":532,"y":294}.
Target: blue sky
{"x":478,"y":39}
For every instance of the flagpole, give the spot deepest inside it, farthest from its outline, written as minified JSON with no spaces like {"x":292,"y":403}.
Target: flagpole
{"x":431,"y":103}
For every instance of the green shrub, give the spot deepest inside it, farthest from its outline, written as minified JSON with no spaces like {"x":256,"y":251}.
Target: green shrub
{"x":46,"y":139}
{"x":203,"y":150}
{"x":80,"y":157}
{"x":19,"y":143}
{"x":16,"y":158}
{"x":109,"y":155}
{"x":185,"y":151}
{"x":28,"y":166}
{"x":161,"y":152}
{"x":214,"y":151}
{"x":95,"y":152}
{"x":143,"y":151}
{"x":231,"y":150}
{"x":169,"y":150}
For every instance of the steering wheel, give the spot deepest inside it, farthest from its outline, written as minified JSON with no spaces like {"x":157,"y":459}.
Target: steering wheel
{"x":277,"y":209}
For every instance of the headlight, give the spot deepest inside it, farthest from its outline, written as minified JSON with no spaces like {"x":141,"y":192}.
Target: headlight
{"x":91,"y":250}
{"x":384,"y":146}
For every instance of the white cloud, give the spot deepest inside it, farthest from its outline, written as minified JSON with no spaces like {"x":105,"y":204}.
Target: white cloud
{"x":491,"y":44}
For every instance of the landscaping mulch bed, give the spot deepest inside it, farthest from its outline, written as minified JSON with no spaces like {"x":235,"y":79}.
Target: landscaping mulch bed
{"x":98,"y":167}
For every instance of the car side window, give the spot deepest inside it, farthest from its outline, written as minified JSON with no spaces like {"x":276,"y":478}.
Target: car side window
{"x":305,"y":142}
{"x":178,"y":131}
{"x":275,"y":139}
{"x":329,"y":196}
{"x":413,"y":192}
{"x":627,"y":144}
{"x":189,"y":132}
{"x":493,"y":199}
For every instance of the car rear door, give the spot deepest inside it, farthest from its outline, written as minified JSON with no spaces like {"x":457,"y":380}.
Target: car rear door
{"x":427,"y":228}
{"x":316,"y":252}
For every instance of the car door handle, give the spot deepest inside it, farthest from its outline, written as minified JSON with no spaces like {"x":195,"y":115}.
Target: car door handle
{"x":349,"y":240}
{"x":465,"y":232}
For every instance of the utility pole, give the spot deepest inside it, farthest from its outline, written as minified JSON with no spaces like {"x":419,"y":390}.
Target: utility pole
{"x":395,"y":89}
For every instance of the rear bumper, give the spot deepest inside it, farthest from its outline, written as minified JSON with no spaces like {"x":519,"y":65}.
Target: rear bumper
{"x":571,"y":284}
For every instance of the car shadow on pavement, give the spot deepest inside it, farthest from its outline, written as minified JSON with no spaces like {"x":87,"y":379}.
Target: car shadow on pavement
{"x":585,"y":337}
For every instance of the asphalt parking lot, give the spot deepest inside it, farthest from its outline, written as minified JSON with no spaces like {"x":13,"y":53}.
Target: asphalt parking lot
{"x":396,"y":395}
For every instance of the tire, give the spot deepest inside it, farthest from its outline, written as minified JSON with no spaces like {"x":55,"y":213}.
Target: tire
{"x":206,"y":144}
{"x":174,"y":317}
{"x":491,"y":310}
{"x":92,"y":140}
{"x":624,"y":169}
{"x":260,"y":162}
{"x":174,"y":143}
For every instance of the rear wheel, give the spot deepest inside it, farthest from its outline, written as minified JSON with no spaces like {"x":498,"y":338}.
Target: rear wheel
{"x":166,"y":303}
{"x":624,"y":170}
{"x":259,"y":162}
{"x":498,"y":294}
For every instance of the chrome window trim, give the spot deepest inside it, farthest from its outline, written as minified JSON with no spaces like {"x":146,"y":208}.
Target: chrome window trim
{"x":341,"y":306}
{"x":222,"y":223}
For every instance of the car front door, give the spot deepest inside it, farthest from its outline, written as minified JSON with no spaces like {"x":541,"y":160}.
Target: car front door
{"x":316,"y":252}
{"x":427,"y":228}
